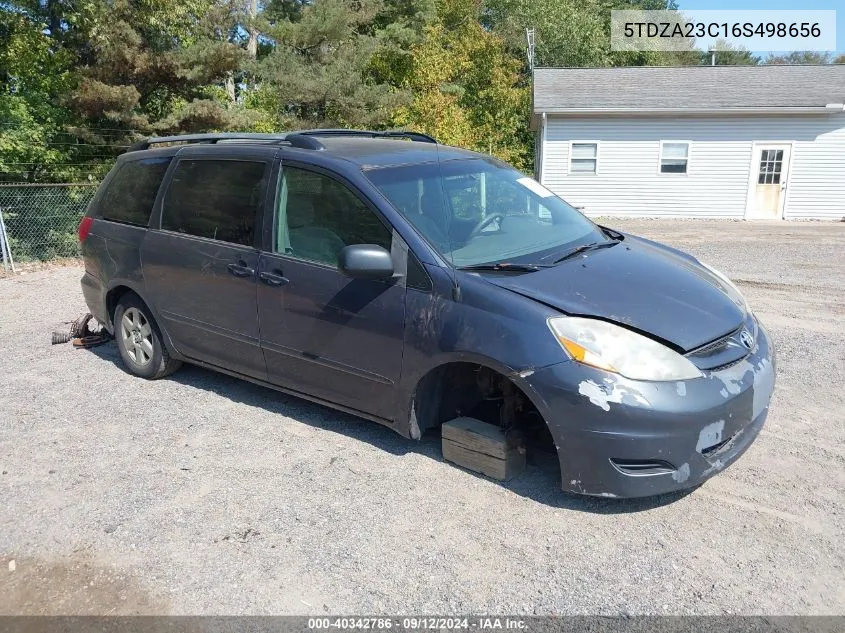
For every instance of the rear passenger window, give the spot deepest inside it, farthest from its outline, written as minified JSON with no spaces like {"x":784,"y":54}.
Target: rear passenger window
{"x":130,"y":195}
{"x":218,"y":199}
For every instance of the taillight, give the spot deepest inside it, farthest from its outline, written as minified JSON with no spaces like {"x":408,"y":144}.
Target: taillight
{"x":85,"y":227}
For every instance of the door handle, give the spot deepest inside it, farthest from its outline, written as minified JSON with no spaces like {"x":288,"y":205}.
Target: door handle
{"x":241,"y":270}
{"x":272,"y":279}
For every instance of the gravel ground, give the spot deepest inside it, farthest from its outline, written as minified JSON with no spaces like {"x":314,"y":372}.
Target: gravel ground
{"x":201,"y":494}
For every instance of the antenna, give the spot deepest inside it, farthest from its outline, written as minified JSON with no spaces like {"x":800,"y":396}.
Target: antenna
{"x":529,"y":36}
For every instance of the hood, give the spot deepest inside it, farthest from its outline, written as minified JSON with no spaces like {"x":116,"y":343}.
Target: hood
{"x":638,"y":283}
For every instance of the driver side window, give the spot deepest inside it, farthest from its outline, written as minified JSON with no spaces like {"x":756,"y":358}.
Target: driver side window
{"x":318,"y":216}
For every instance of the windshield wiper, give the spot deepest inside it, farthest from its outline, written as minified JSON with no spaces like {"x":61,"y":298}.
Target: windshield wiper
{"x":506,"y":267}
{"x":583,"y":248}
{"x":612,"y":233}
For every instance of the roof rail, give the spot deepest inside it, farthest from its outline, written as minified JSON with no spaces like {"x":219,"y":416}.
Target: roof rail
{"x":206,"y":138}
{"x":305,"y":139}
{"x":414,"y":136}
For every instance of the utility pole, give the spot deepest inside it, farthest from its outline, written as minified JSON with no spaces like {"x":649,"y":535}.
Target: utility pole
{"x":529,"y":36}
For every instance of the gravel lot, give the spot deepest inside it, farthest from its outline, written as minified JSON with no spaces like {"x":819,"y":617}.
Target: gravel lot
{"x":201,"y":494}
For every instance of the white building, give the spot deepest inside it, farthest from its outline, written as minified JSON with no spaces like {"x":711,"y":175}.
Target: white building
{"x":701,"y":141}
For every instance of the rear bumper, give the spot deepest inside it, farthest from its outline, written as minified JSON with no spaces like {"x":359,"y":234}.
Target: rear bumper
{"x":624,"y":438}
{"x":95,"y":299}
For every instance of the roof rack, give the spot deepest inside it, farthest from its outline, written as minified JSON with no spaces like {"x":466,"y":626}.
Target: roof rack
{"x":205,"y":138}
{"x":304,"y":139}
{"x":413,"y":136}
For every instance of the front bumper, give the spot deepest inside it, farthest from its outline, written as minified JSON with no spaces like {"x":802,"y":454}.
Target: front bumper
{"x":617,"y":437}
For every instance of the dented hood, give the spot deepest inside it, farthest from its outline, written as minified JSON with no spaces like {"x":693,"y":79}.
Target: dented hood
{"x":638,"y":283}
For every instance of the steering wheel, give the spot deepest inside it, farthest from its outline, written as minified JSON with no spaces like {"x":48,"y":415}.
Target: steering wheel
{"x":484,"y":222}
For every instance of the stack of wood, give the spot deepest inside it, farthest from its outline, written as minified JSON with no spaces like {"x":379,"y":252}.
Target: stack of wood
{"x":483,"y":448}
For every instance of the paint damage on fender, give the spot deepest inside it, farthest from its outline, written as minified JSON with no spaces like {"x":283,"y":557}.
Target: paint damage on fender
{"x":710,"y":435}
{"x":735,"y":378}
{"x":682,"y":474}
{"x":608,"y":392}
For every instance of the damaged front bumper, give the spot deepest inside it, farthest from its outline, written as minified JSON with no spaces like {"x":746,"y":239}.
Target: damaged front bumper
{"x":617,"y":437}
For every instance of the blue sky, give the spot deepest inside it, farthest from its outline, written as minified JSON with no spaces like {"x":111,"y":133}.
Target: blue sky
{"x":836,"y":5}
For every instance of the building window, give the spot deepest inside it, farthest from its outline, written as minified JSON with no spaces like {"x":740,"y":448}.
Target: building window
{"x":771,"y":162}
{"x":583,"y":157}
{"x":674,"y":157}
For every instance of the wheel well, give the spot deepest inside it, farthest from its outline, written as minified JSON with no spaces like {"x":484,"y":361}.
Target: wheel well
{"x":469,"y":389}
{"x":113,"y":297}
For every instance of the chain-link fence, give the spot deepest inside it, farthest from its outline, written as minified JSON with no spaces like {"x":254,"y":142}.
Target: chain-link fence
{"x":42,"y":219}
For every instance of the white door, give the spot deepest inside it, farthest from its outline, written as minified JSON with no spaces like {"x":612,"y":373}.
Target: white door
{"x":767,"y":194}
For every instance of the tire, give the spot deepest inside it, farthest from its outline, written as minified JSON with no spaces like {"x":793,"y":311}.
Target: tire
{"x":139,"y":340}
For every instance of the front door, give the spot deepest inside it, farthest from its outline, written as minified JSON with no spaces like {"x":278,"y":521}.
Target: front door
{"x":322,"y":333}
{"x":770,"y":166}
{"x":200,"y":266}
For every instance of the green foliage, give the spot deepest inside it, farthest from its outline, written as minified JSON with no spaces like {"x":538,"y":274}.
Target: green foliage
{"x":467,"y":90}
{"x":318,"y":71}
{"x":571,"y":32}
{"x":803,"y":57}
{"x":730,"y":55}
{"x":32,"y":80}
{"x":151,"y":63}
{"x":568,"y":32}
{"x":81,"y":79}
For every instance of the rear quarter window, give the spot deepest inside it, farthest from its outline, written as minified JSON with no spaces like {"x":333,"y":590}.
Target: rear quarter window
{"x":130,"y":195}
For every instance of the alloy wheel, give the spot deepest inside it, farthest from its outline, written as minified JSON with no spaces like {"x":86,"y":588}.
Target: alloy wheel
{"x":137,"y":336}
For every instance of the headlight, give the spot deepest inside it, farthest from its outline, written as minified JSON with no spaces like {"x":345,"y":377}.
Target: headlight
{"x":613,"y":348}
{"x":730,"y":288}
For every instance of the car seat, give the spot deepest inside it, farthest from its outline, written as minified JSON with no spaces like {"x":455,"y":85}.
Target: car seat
{"x":306,"y":240}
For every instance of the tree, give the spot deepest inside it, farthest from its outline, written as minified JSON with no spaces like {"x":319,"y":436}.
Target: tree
{"x":572,"y":32}
{"x":467,"y":89}
{"x":729,"y":55}
{"x":33,"y":80}
{"x":80,"y":80}
{"x":159,"y":66}
{"x":318,"y":71}
{"x":568,"y":32}
{"x":800,"y":57}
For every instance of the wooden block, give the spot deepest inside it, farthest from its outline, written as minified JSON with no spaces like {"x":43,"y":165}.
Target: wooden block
{"x":481,"y":447}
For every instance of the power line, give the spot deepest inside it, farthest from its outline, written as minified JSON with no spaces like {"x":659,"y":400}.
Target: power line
{"x":86,"y":145}
{"x":53,"y":164}
{"x":87,"y":127}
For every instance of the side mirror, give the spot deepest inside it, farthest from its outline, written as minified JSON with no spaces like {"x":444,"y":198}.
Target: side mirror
{"x":365,"y":261}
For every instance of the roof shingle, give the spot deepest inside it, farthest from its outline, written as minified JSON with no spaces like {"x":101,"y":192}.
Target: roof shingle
{"x":687,"y":87}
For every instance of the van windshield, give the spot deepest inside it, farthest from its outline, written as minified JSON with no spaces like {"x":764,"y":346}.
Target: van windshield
{"x":481,"y":211}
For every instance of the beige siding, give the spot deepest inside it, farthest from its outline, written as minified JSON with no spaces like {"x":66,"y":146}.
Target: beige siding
{"x":716,"y":185}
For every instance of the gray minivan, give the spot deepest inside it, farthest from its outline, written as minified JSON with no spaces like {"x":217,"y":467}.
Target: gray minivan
{"x":408,"y":282}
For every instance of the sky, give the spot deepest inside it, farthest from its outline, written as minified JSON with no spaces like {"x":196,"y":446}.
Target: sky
{"x":836,"y":5}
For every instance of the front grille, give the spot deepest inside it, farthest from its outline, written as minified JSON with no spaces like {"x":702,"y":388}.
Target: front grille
{"x":713,"y":346}
{"x":728,"y":365}
{"x":724,"y":352}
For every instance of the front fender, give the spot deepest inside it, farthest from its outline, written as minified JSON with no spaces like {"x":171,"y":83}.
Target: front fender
{"x":480,"y":323}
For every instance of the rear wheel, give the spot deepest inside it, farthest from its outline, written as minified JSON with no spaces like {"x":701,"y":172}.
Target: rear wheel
{"x":139,"y":340}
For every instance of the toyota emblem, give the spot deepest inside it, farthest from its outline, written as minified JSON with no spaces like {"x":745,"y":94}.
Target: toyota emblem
{"x":746,"y":339}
